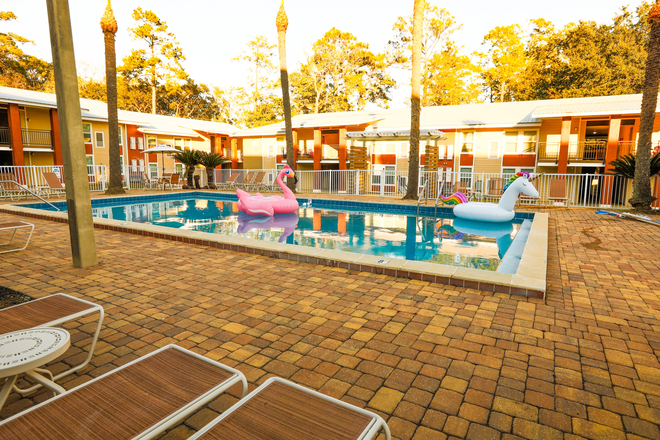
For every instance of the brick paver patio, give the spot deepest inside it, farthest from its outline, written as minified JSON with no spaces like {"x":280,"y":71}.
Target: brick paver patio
{"x":436,"y":361}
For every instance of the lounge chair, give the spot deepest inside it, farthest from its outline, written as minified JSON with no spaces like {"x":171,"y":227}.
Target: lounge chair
{"x":247,"y":181}
{"x":139,"y":400}
{"x":558,"y":192}
{"x":55,"y":187}
{"x":175,"y":181}
{"x":495,"y":187}
{"x":230,"y":183}
{"x":9,"y":186}
{"x":280,"y":409}
{"x":258,"y":182}
{"x":50,"y":311}
{"x":15,"y":226}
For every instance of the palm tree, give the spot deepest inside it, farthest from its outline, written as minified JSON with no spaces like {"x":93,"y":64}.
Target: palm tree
{"x":282,"y":23}
{"x":109,"y":28}
{"x":625,"y":166}
{"x":415,"y":110}
{"x":642,"y":197}
{"x":210,"y":161}
{"x":190,"y":158}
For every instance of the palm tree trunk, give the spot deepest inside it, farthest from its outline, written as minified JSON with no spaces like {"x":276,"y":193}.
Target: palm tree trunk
{"x":282,"y":23}
{"x":115,"y":185}
{"x":642,"y":197}
{"x":209,"y":177}
{"x":415,"y":105}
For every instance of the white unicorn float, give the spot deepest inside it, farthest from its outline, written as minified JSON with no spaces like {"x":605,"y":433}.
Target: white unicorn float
{"x":491,"y":212}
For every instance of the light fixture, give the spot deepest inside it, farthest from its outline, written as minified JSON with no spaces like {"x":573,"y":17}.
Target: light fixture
{"x":594,"y":132}
{"x":594,"y":181}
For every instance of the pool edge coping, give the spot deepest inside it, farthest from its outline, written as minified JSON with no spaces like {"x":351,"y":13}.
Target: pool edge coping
{"x":528,"y":281}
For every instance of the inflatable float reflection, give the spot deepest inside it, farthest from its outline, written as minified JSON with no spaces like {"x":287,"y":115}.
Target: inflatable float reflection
{"x":501,"y":232}
{"x":288,"y":222}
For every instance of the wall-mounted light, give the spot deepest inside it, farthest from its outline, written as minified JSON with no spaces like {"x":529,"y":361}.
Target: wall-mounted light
{"x":594,"y":181}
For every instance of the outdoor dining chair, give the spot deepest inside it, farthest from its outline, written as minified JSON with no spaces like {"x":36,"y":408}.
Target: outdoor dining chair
{"x":558,"y":192}
{"x":55,"y":187}
{"x":149,"y":182}
{"x":280,"y":409}
{"x":495,"y":187}
{"x":50,"y":311}
{"x":139,"y":400}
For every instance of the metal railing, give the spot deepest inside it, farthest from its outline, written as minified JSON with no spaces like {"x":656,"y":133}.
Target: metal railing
{"x":42,"y":138}
{"x":583,"y":190}
{"x":585,"y":151}
{"x":4,"y":135}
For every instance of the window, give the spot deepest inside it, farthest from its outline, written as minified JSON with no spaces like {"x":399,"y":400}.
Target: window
{"x":151,"y":141}
{"x":510,"y":141}
{"x":508,"y":172}
{"x":179,"y":168}
{"x":141,"y":164}
{"x":465,"y":175}
{"x":131,"y":142}
{"x":133,"y":164}
{"x":255,"y":146}
{"x":140,"y":143}
{"x":121,"y":165}
{"x":529,"y":141}
{"x":404,"y":147}
{"x":390,"y":147}
{"x":153,"y":170}
{"x":186,"y":143}
{"x":120,"y":136}
{"x":90,"y":165}
{"x":450,"y":152}
{"x":87,"y":133}
{"x":494,"y":150}
{"x":271,"y":150}
{"x":468,"y":142}
{"x":99,"y":139}
{"x":178,"y":143}
{"x":390,"y":174}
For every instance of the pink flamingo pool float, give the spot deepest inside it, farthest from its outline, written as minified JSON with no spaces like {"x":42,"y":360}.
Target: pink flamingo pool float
{"x":259,"y":205}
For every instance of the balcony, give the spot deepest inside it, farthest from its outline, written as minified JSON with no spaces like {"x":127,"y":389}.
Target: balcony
{"x":585,"y":151}
{"x":630,"y":147}
{"x":4,"y":135}
{"x":36,"y":138}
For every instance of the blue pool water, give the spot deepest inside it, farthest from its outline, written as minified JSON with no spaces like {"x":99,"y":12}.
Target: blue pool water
{"x":387,"y":230}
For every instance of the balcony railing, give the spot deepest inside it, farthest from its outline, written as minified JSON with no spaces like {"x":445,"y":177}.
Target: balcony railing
{"x":630,"y":147}
{"x":4,"y":135}
{"x":586,"y":151}
{"x":39,"y":138}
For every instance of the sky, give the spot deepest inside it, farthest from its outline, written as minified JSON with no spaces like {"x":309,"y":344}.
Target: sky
{"x":212,"y":32}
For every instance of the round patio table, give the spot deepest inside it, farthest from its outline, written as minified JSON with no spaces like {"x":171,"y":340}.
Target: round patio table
{"x":24,"y":351}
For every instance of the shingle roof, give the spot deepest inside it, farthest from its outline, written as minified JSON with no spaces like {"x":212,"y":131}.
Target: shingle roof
{"x":92,"y":109}
{"x":594,"y":106}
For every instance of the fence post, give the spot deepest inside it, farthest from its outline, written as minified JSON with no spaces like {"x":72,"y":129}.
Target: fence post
{"x":382,"y":182}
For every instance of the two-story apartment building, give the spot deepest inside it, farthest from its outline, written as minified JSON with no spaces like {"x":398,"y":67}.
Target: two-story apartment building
{"x":29,"y":133}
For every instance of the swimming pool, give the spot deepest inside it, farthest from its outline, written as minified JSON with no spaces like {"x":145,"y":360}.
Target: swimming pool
{"x":384,"y":230}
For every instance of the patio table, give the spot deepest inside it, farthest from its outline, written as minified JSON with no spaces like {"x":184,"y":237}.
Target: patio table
{"x":24,"y":351}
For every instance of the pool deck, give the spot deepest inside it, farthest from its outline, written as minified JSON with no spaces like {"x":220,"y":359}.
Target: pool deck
{"x":436,"y":361}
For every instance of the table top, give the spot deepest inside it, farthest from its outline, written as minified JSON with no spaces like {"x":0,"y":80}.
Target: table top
{"x":25,"y":350}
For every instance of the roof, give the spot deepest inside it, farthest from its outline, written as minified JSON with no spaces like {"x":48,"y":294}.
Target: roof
{"x":594,"y":106}
{"x":98,"y":110}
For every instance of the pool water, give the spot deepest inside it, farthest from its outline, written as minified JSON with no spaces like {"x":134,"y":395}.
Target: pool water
{"x":448,"y":240}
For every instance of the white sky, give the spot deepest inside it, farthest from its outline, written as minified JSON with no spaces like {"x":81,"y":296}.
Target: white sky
{"x":212,"y":32}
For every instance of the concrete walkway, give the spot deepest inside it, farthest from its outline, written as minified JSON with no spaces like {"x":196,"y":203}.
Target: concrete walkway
{"x":436,"y":361}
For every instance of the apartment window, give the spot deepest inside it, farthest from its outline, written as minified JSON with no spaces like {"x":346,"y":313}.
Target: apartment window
{"x":141,"y":164}
{"x":390,"y":147}
{"x":468,"y":142}
{"x":140,"y":143}
{"x":186,"y":143}
{"x":178,"y":143}
{"x":450,"y":152}
{"x":529,"y":141}
{"x":131,"y":142}
{"x":179,"y":168}
{"x":465,"y":175}
{"x":87,"y":133}
{"x":153,"y":170}
{"x":121,"y":164}
{"x":404,"y":148}
{"x":494,"y":150}
{"x":255,"y":146}
{"x":151,"y":141}
{"x":90,"y":165}
{"x":133,"y":164}
{"x":508,"y":172}
{"x":390,"y":174}
{"x":99,"y":139}
{"x":271,"y":150}
{"x":120,"y":136}
{"x":510,"y":141}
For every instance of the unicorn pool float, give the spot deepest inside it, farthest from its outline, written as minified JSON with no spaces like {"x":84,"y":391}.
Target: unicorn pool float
{"x":491,"y":212}
{"x":259,"y":205}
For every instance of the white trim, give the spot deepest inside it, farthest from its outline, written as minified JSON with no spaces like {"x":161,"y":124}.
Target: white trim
{"x":490,"y":149}
{"x":96,"y":140}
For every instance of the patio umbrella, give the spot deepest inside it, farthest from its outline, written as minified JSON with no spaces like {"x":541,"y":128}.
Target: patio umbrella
{"x":162,"y":149}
